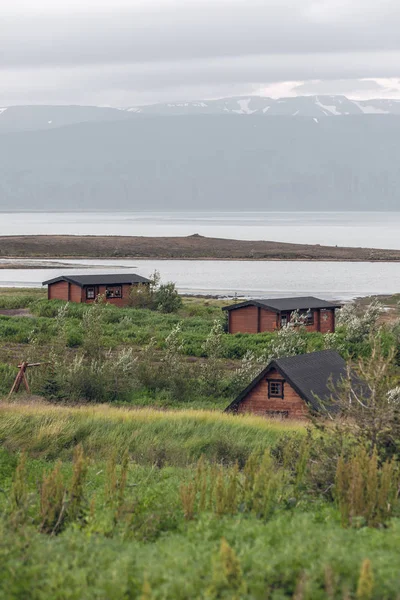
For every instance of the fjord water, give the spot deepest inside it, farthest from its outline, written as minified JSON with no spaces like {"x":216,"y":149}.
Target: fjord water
{"x":330,"y":280}
{"x":368,"y":229}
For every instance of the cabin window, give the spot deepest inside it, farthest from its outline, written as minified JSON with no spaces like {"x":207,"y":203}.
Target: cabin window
{"x":305,"y":316}
{"x":308,"y":316}
{"x":275,"y":388}
{"x":284,"y":319}
{"x":114,"y":291}
{"x":90,"y":293}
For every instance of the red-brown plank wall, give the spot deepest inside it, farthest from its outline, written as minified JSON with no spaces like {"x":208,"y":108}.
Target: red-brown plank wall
{"x":257,"y":401}
{"x":251,"y":319}
{"x":101,"y":290}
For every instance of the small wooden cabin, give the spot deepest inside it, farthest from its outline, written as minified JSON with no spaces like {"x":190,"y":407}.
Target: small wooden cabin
{"x":288,"y":387}
{"x":256,"y":316}
{"x":86,"y":288}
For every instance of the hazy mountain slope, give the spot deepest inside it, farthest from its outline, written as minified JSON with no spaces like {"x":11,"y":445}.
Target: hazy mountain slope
{"x":208,"y":162}
{"x":302,"y":106}
{"x":24,"y":118}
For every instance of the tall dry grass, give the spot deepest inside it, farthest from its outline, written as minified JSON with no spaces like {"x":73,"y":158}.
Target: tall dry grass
{"x":150,"y":436}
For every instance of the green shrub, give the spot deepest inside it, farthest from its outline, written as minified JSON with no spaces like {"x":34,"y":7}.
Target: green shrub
{"x":74,"y":338}
{"x":130,"y":538}
{"x":141,"y":296}
{"x":13,"y":298}
{"x":167,"y":299}
{"x":257,"y":489}
{"x":366,"y":493}
{"x":16,"y":329}
{"x":46,"y":308}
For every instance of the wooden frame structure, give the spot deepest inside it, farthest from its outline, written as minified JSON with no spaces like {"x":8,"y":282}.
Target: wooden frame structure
{"x":22,"y":378}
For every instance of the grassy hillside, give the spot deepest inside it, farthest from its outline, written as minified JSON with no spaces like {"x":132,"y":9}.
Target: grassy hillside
{"x":101,"y":502}
{"x":132,"y":355}
{"x":216,"y":162}
{"x":143,"y":357}
{"x":126,"y":515}
{"x":180,"y":437}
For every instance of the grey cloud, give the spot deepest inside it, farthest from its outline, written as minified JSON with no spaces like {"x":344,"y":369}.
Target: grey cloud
{"x":173,"y":49}
{"x":339,"y":86}
{"x":191,"y":80}
{"x":246,"y":70}
{"x":198,"y":30}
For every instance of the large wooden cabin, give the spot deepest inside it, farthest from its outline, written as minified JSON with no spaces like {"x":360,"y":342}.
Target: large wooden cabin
{"x":256,"y":316}
{"x":86,"y":288}
{"x":289,"y":387}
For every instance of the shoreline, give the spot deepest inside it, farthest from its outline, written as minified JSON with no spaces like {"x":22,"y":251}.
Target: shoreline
{"x":19,"y":266}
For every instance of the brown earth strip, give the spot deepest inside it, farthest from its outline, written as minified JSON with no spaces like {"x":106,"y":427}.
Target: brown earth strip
{"x":16,"y":312}
{"x":192,"y":247}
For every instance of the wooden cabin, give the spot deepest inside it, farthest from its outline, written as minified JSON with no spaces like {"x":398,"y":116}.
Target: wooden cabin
{"x":256,"y":316}
{"x":86,"y":288}
{"x":289,"y":387}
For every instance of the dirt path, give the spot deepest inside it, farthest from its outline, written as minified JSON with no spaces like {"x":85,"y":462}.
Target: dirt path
{"x":16,"y":312}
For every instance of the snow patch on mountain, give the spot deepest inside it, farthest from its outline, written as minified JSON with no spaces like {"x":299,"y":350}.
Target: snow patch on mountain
{"x":244,"y":107}
{"x":307,"y":106}
{"x":331,"y":109}
{"x":371,"y":110}
{"x":3,"y":110}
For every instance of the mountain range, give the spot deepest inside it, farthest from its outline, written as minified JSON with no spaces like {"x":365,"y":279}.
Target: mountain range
{"x":301,"y":106}
{"x":304,"y":153}
{"x":22,"y":118}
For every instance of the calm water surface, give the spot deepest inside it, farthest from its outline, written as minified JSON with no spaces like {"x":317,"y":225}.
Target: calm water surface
{"x":331,"y":280}
{"x":328,"y":280}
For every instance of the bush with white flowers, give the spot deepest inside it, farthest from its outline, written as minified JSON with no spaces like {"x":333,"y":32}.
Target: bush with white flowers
{"x":359,"y":326}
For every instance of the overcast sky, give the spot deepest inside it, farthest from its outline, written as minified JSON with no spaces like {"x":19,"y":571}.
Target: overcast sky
{"x":130,"y":52}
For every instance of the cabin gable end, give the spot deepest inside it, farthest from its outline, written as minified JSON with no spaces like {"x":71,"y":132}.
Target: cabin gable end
{"x":273,"y":395}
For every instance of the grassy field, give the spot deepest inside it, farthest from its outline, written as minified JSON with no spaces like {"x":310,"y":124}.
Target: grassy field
{"x":114,"y":487}
{"x":151,"y":436}
{"x":104,"y":353}
{"x":131,"y":513}
{"x":11,"y":298}
{"x":31,"y":329}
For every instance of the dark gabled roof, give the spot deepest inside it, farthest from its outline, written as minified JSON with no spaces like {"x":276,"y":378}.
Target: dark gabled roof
{"x":311,"y":376}
{"x":99,"y":279}
{"x":286,"y":304}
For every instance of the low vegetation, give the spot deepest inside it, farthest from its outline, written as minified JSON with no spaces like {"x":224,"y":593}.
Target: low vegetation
{"x":114,"y":503}
{"x":159,"y":296}
{"x":10,"y":298}
{"x":149,"y":357}
{"x":150,"y":436}
{"x":104,"y":495}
